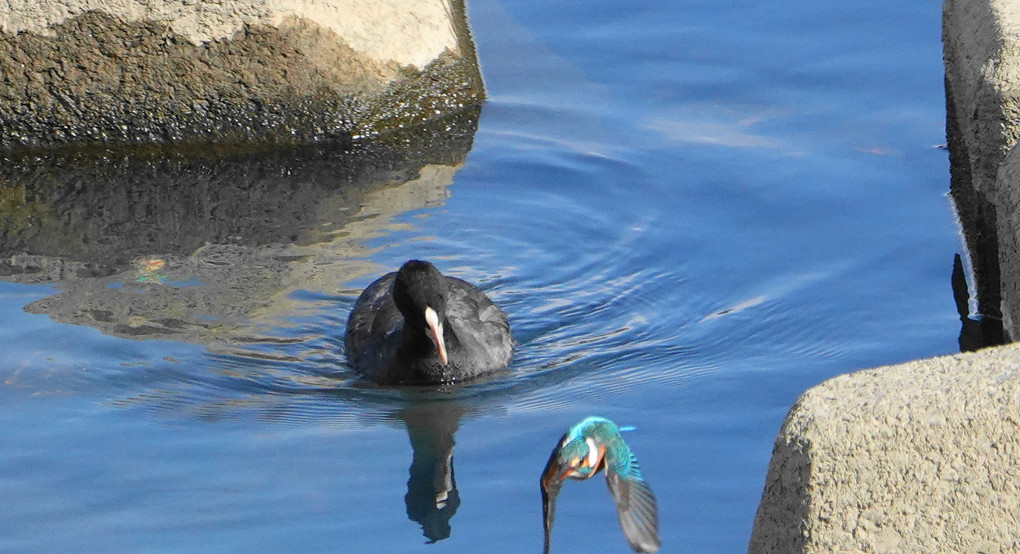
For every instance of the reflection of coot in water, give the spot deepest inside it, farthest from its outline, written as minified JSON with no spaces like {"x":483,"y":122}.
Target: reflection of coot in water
{"x":417,"y":326}
{"x":432,"y":497}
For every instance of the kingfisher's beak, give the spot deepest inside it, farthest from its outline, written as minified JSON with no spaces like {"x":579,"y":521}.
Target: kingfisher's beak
{"x":436,"y":333}
{"x":554,"y":474}
{"x":552,"y":480}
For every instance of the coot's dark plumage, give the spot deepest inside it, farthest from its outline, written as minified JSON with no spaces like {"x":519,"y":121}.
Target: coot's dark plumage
{"x":417,"y":326}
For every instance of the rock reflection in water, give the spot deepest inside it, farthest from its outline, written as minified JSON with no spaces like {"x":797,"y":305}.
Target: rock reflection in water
{"x":206,"y":246}
{"x":977,"y":331}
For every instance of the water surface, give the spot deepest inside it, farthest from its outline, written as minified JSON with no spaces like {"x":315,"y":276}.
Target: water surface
{"x":691,"y":212}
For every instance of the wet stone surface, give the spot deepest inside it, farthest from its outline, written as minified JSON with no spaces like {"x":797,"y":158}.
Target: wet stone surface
{"x":101,"y":80}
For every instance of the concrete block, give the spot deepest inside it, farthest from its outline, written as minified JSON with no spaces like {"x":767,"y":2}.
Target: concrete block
{"x":128,"y":72}
{"x":917,"y":457}
{"x":982,"y":59}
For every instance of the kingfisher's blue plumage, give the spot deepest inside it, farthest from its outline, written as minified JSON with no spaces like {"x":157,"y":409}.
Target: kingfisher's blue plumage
{"x":595,"y":445}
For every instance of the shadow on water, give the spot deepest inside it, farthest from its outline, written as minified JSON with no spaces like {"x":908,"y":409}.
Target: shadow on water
{"x":206,"y":246}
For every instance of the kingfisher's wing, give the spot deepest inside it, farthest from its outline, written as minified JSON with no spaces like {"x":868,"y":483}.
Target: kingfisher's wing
{"x":636,"y":506}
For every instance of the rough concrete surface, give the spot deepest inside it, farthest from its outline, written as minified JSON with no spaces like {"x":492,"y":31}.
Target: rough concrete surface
{"x":131,"y":72}
{"x":918,"y":457}
{"x":982,"y":58}
{"x":407,"y":32}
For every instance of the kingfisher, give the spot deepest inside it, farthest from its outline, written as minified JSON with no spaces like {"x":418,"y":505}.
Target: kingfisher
{"x":595,"y":445}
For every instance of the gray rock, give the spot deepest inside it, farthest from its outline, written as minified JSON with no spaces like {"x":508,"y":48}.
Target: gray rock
{"x":134,"y":72}
{"x":982,"y":58}
{"x":918,"y":457}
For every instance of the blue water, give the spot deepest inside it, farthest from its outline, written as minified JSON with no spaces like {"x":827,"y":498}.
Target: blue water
{"x":692,"y":211}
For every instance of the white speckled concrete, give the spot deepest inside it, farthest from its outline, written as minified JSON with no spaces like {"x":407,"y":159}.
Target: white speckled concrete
{"x":408,"y":32}
{"x":917,"y":457}
{"x":282,"y":72}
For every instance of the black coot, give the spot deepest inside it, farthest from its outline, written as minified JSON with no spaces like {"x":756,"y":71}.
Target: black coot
{"x":419,"y":327}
